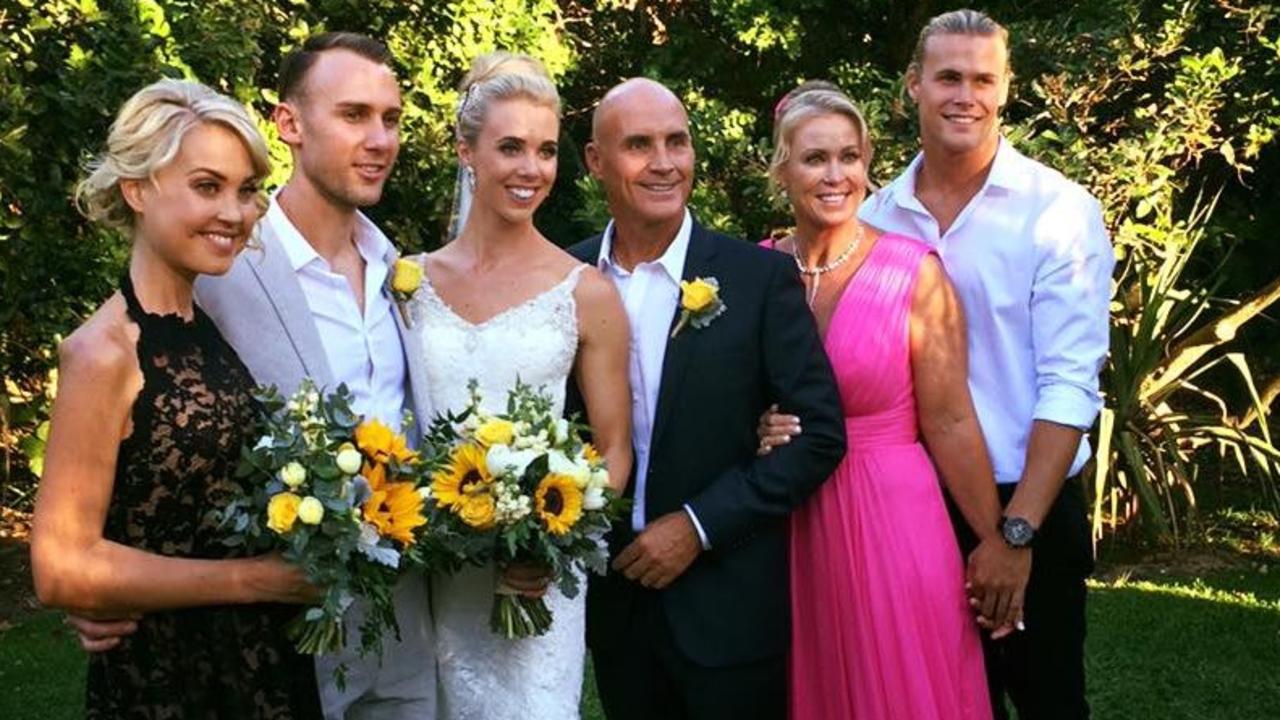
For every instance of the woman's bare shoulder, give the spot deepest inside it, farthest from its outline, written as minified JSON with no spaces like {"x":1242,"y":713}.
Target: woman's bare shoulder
{"x":104,"y":347}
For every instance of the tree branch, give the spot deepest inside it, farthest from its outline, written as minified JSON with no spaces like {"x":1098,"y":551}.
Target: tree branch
{"x":1208,"y":337}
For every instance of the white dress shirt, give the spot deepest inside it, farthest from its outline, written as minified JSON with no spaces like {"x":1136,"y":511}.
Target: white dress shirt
{"x":650,"y":293}
{"x":1031,"y":260}
{"x":364,"y":350}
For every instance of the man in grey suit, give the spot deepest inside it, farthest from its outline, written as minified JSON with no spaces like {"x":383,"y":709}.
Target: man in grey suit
{"x":309,"y":301}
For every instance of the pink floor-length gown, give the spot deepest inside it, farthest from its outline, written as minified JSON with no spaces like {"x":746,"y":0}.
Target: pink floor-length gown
{"x":881,"y":628}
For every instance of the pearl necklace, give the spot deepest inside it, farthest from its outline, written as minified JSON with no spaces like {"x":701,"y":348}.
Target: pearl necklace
{"x":818,"y":271}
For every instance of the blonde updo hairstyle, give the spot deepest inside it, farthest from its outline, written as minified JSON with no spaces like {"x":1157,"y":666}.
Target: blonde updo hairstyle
{"x":812,"y":99}
{"x":146,"y":136}
{"x":499,"y":76}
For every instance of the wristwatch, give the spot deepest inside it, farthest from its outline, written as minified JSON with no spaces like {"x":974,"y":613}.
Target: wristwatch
{"x":1017,"y":532}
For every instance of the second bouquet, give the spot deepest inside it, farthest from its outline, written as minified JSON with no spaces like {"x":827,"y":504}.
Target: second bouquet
{"x":339,"y":495}
{"x":520,"y":487}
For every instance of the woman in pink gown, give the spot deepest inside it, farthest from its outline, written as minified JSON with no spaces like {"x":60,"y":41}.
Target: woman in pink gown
{"x":881,"y":625}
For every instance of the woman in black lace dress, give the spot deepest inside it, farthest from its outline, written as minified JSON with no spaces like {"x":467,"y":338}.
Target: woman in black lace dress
{"x":152,"y":411}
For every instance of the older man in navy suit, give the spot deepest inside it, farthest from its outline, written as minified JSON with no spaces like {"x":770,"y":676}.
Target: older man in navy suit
{"x":693,"y":621}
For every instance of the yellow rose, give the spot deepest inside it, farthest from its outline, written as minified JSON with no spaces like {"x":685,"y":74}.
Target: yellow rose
{"x":282,"y":512}
{"x":310,"y":511}
{"x":478,"y":510}
{"x":406,"y":276}
{"x":496,"y":432}
{"x":697,"y":296}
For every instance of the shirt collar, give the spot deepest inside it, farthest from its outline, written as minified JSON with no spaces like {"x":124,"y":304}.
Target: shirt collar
{"x":371,"y":243}
{"x":1006,"y":173}
{"x":672,"y":261}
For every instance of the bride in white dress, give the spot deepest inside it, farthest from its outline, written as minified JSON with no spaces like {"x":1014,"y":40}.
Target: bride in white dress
{"x":498,"y":303}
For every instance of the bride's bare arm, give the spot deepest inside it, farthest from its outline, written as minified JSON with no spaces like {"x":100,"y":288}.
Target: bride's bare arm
{"x":74,"y":566}
{"x":602,"y":371}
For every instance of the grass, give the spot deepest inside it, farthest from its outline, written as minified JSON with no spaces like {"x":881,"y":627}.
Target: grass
{"x":1175,"y":647}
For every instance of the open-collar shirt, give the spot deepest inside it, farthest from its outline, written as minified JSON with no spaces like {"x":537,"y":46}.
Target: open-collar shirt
{"x":650,"y":294}
{"x":1031,"y":261}
{"x":363,"y":349}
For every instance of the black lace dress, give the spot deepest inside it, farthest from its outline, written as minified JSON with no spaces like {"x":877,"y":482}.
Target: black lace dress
{"x":189,"y":422}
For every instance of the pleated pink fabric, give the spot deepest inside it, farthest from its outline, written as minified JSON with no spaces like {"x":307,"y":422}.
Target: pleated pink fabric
{"x":881,"y":629}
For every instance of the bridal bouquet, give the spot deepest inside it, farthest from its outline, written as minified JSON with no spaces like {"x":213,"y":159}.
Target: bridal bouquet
{"x":340,"y":497}
{"x":520,"y":487}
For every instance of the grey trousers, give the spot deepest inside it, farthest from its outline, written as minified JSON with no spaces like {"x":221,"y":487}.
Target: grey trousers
{"x":401,"y":685}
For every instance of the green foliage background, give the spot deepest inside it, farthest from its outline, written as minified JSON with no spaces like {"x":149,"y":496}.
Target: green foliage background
{"x":1153,"y":105}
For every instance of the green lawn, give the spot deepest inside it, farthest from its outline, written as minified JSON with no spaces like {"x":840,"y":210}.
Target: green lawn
{"x":1170,"y":648}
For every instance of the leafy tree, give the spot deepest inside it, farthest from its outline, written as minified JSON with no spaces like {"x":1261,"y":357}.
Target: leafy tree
{"x":1166,"y":109}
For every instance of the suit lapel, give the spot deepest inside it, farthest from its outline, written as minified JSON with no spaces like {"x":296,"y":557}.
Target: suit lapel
{"x":681,"y":348}
{"x":414,"y":355}
{"x":280,"y":284}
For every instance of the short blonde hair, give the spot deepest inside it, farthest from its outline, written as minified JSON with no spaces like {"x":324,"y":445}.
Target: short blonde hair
{"x":812,"y":99}
{"x":499,"y":76}
{"x":146,"y":136}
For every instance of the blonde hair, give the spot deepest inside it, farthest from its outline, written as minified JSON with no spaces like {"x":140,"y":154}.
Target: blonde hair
{"x":809,"y":100}
{"x":146,"y":136}
{"x":500,"y":76}
{"x":960,"y":22}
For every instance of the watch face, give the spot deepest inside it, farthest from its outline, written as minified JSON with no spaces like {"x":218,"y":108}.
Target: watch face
{"x":1017,"y":532}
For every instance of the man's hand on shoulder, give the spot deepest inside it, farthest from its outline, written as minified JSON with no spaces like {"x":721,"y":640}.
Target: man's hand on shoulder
{"x":662,"y":551}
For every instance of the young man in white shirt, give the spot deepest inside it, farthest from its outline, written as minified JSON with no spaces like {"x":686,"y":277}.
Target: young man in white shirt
{"x":1029,"y":255}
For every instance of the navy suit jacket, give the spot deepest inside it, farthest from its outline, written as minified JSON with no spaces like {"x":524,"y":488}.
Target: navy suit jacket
{"x":732,"y":604}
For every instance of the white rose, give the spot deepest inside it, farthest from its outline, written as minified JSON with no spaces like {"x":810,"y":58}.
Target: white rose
{"x":293,"y":474}
{"x":561,"y":430}
{"x":502,"y":459}
{"x":310,"y":511}
{"x":599,"y":478}
{"x":349,"y":459}
{"x":593,"y":498}
{"x":560,"y":464}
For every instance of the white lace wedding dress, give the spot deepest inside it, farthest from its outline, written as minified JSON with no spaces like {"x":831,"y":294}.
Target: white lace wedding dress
{"x":483,"y":676}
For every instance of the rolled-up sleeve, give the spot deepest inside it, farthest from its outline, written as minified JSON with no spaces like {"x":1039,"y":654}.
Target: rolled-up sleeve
{"x":1070,"y":314}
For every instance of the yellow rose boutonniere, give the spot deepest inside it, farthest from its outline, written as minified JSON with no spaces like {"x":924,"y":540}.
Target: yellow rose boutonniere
{"x":700,"y":303}
{"x":403,"y":281}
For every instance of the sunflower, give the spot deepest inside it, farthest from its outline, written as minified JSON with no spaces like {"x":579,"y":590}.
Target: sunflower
{"x":466,"y":474}
{"x":375,"y":473}
{"x":374,"y":439}
{"x":380,"y":443}
{"x":395,"y":509}
{"x":400,"y":451}
{"x":559,"y":502}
